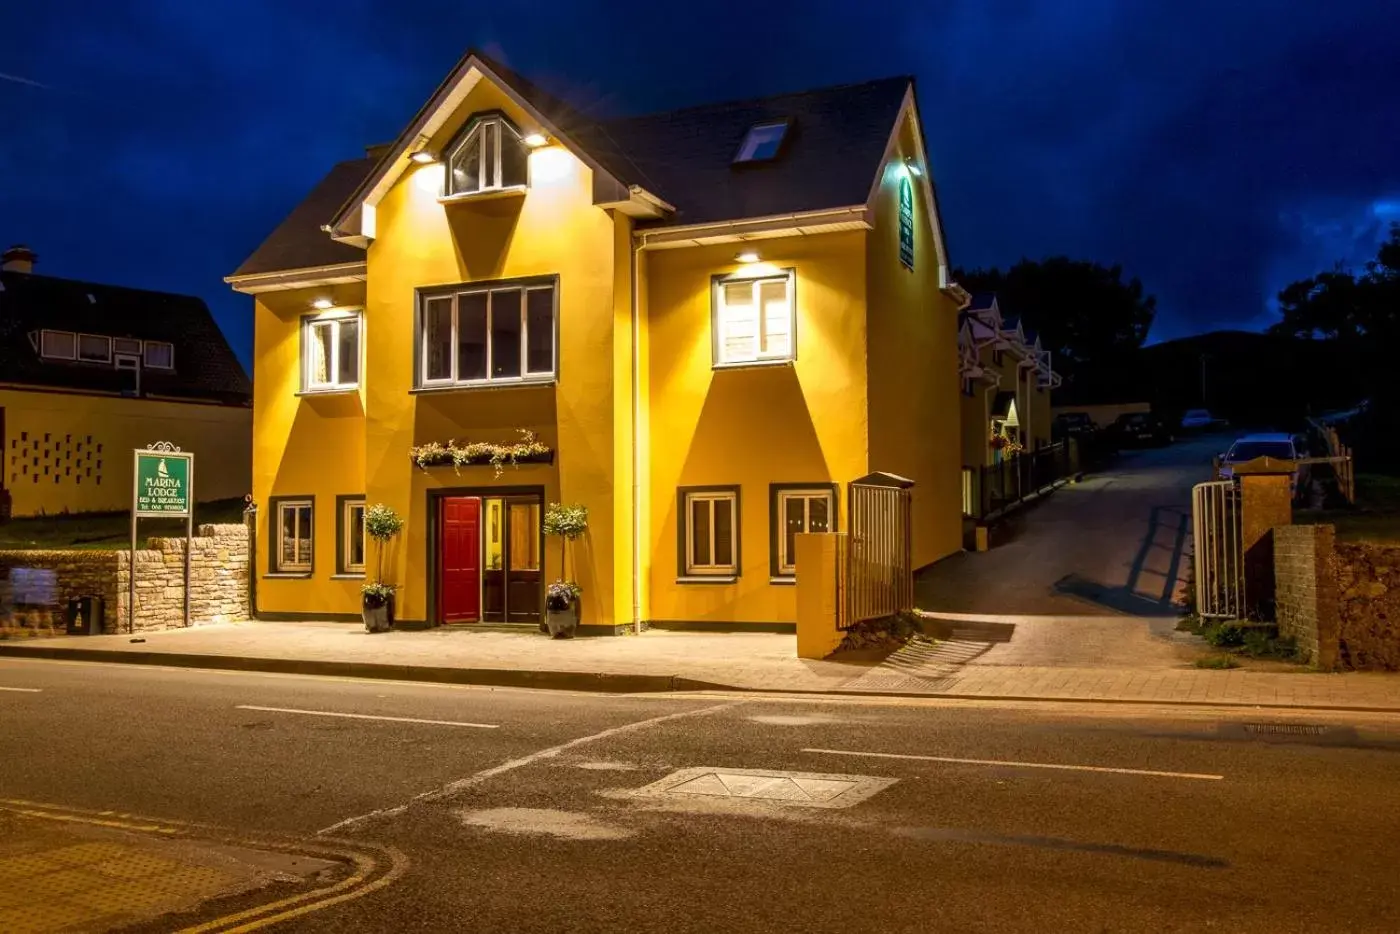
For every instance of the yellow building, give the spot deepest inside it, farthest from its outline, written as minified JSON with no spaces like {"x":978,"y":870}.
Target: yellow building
{"x":90,"y":372}
{"x":1006,"y":383}
{"x":708,"y":322}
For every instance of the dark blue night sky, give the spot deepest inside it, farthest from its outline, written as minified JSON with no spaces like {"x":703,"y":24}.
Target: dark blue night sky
{"x":1218,"y":150}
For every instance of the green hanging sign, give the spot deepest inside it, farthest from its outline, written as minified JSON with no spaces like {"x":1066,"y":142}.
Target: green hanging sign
{"x":906,"y":222}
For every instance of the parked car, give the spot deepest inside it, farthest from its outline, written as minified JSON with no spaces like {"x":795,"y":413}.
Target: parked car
{"x":1200,"y":420}
{"x":1073,"y":425}
{"x":1279,"y":446}
{"x":1140,"y":429}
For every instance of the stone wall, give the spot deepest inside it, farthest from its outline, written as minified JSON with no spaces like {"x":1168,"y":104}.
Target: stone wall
{"x":1305,"y":591}
{"x":35,"y":586}
{"x":1368,"y":581}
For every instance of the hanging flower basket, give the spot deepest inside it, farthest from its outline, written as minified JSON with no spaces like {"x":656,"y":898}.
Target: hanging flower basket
{"x":528,"y":450}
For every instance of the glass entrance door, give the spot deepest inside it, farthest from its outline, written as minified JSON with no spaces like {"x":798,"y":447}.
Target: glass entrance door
{"x":511,"y":560}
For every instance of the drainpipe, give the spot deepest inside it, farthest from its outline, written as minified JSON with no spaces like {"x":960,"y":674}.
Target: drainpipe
{"x":637,"y":244}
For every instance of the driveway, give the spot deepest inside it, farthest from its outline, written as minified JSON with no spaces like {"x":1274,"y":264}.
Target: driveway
{"x":1089,"y":576}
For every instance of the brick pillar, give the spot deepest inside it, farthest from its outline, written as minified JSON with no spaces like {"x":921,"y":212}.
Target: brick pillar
{"x":1307,"y":592}
{"x":1266,"y":502}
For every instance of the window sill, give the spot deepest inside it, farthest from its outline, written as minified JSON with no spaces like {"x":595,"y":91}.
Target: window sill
{"x":786,"y":580}
{"x":754,"y":364}
{"x":709,"y":579}
{"x":288,"y":576}
{"x":550,"y":380}
{"x":348,"y":577}
{"x":338,"y":391}
{"x":512,"y":191}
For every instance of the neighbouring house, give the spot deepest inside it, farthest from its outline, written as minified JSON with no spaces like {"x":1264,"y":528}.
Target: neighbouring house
{"x":708,"y":321}
{"x":1006,"y":384}
{"x":89,"y":372}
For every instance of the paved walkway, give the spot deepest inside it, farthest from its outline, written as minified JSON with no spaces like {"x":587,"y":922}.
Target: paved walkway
{"x":963,"y":665}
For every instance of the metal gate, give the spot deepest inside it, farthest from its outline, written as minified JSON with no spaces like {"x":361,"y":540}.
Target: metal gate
{"x":876,"y":572}
{"x":1219,"y":549}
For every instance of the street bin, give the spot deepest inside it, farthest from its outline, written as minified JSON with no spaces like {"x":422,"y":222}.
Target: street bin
{"x":85,"y":616}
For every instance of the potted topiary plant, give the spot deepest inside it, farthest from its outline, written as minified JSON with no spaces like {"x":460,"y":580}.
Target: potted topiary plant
{"x":562,"y":601}
{"x":377,"y":597}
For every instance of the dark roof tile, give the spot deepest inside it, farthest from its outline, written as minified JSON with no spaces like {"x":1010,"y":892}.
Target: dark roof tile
{"x":205,"y":365}
{"x":299,"y":242}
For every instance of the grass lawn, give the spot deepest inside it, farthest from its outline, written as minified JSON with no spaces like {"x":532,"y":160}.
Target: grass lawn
{"x":1376,"y":517}
{"x":108,"y":530}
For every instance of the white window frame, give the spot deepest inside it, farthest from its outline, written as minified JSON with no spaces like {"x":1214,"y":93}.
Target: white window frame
{"x":787,"y":564}
{"x":301,"y":564}
{"x":48,"y":352}
{"x":309,"y":323}
{"x":526,"y":376}
{"x":719,"y":328}
{"x":107,"y":343}
{"x":714,"y":498}
{"x":153,"y":345}
{"x":347,"y":536}
{"x":127,"y":346}
{"x":490,"y":170}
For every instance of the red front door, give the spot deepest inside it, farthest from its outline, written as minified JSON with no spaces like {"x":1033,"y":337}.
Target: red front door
{"x":460,"y":550}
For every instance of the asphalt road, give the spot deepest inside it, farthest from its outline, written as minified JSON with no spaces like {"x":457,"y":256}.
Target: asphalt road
{"x":528,"y":819}
{"x":1116,"y":544}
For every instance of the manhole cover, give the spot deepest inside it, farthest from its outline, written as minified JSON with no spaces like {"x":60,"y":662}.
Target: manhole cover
{"x":1286,"y":729}
{"x":803,"y":789}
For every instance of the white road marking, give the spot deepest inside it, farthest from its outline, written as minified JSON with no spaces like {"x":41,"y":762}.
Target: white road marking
{"x":366,"y":716}
{"x":1020,"y":765}
{"x":462,"y":784}
{"x":24,"y":690}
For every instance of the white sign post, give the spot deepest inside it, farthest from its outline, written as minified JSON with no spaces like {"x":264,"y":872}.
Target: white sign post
{"x":162,"y":486}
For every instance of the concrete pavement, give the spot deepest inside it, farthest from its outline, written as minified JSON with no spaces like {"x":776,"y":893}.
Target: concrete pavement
{"x":543,"y":815}
{"x":963,"y":664}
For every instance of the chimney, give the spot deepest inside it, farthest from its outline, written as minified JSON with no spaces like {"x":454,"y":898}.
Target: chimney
{"x":18,"y":258}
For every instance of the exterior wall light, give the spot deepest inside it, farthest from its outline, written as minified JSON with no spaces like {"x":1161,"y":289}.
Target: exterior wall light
{"x":423,"y":157}
{"x":748,"y":256}
{"x":322,"y":304}
{"x":535,"y":140}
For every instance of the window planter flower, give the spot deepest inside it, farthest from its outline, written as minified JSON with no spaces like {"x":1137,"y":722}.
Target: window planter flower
{"x":528,"y":450}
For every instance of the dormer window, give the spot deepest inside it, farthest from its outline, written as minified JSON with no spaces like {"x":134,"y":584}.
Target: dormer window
{"x":160,"y":355}
{"x":762,"y":142}
{"x":94,"y":348}
{"x":490,"y":156}
{"x":58,"y":345}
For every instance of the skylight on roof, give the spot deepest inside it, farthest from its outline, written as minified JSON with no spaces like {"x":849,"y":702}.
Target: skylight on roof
{"x":762,"y":142}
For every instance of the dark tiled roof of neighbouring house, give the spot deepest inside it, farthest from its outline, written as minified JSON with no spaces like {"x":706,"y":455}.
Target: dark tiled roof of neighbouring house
{"x":835,"y":141}
{"x":299,"y":242}
{"x":205,"y":366}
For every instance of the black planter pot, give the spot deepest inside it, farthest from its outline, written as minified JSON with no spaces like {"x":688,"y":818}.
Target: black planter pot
{"x":378,"y":615}
{"x":563,"y":624}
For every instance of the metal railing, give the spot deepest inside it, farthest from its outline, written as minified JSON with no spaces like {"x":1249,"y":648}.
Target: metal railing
{"x":996,"y":488}
{"x":1218,"y":544}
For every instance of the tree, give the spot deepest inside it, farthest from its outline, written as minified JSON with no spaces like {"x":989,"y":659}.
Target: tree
{"x":1083,"y":312}
{"x":1346,"y":306}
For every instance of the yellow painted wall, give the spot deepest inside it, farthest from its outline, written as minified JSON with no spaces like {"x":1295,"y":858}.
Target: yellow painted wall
{"x":1040,"y":411}
{"x":803,"y":422}
{"x":976,"y":424}
{"x":553,"y":229}
{"x":915,"y":415}
{"x":309,"y":445}
{"x":67,"y":452}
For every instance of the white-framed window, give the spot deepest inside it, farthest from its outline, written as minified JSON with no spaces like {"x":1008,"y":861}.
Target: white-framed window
{"x":796,"y":510}
{"x":58,"y":345}
{"x":490,"y":156}
{"x":499,"y":333}
{"x":295,"y":535}
{"x":330,"y":352}
{"x":160,"y":355}
{"x":94,"y":348}
{"x":352,"y":536}
{"x":762,"y":142}
{"x":126,"y":345}
{"x":754,"y":320}
{"x":710,"y":532}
